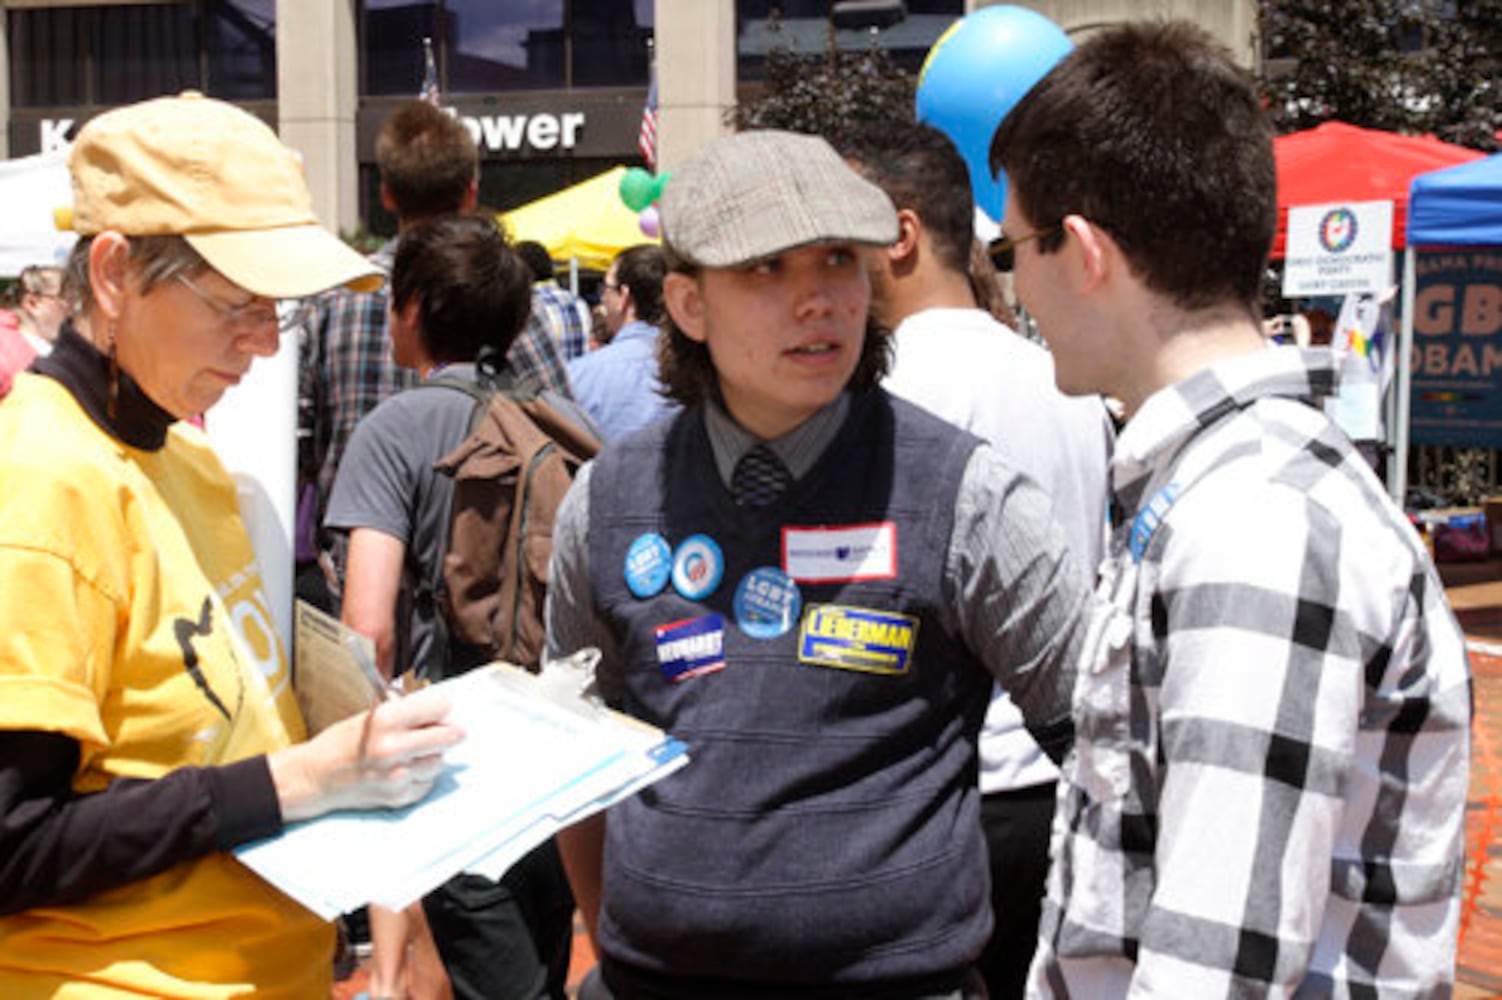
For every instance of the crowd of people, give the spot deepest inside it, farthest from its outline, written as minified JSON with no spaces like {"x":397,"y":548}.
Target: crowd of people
{"x":989,"y":691}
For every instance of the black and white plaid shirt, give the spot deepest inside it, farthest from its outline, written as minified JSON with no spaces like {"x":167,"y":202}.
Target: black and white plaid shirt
{"x":1268,"y":788}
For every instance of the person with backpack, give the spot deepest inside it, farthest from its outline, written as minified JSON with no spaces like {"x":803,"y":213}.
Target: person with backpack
{"x":459,"y":297}
{"x":428,"y":167}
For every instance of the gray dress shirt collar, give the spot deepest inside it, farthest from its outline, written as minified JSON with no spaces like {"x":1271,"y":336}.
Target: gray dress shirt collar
{"x":798,"y":449}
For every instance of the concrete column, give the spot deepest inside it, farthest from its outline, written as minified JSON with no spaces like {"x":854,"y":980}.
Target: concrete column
{"x":695,"y":74}
{"x":317,"y":95}
{"x":4,"y":83}
{"x":316,"y":98}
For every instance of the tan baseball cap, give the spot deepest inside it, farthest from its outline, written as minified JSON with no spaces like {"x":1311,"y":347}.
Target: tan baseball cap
{"x":218,"y":176}
{"x":756,"y":194}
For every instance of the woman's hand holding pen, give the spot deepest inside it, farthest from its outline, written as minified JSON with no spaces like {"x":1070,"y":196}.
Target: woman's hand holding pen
{"x":385,"y":758}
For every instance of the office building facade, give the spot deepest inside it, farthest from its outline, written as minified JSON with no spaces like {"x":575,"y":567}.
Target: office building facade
{"x":553,"y":90}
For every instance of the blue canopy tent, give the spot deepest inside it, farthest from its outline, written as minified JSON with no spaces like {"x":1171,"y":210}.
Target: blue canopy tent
{"x":1458,"y":206}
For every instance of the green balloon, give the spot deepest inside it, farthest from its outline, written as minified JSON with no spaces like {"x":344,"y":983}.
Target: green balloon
{"x":638,"y":190}
{"x":659,"y":183}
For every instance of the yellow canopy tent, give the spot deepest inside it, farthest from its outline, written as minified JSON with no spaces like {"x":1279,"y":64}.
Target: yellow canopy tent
{"x":586,"y":223}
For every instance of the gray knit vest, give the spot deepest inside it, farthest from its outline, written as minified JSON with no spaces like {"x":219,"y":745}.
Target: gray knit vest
{"x":826,"y":829}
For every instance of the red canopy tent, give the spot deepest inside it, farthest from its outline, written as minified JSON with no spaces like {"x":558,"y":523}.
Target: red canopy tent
{"x":1340,"y":162}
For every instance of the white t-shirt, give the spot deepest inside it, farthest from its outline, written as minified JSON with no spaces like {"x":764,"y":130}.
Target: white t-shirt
{"x":965,"y":366}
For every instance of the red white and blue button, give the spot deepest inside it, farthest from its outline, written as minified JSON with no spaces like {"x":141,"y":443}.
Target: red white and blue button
{"x":698,"y":567}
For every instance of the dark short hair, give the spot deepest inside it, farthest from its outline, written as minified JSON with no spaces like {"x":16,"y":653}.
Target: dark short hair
{"x":474,"y":292}
{"x":922,"y":171}
{"x":537,"y":258}
{"x":641,"y":269}
{"x":688,"y":373}
{"x":427,"y":160}
{"x":1152,"y":132}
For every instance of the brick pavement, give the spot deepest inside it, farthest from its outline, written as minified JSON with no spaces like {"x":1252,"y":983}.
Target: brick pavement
{"x":1475,"y":592}
{"x":1479,"y":962}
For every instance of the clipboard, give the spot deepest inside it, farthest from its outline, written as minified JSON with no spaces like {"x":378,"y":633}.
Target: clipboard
{"x":538,"y":755}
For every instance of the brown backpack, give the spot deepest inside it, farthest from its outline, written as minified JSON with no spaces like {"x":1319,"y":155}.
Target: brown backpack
{"x":510,"y":475}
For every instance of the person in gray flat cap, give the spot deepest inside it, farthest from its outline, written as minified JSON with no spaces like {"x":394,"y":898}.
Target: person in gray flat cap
{"x":812,"y":583}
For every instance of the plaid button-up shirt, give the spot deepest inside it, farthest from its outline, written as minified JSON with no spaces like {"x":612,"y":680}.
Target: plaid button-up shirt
{"x":563,"y":315}
{"x":1268,"y":788}
{"x":534,"y":355}
{"x":345,"y":369}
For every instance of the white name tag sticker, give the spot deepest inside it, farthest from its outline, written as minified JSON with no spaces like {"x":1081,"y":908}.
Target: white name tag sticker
{"x":840,"y":553}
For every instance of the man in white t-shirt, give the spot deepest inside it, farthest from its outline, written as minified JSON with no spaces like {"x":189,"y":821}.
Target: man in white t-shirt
{"x":962,"y":363}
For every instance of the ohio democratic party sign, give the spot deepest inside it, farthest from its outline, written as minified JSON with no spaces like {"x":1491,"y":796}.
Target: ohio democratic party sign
{"x":1338,"y":249}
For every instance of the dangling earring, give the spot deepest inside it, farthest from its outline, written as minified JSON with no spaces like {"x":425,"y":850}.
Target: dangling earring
{"x":114,"y":397}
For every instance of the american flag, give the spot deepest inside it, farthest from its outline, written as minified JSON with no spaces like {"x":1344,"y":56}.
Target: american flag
{"x":646,"y":139}
{"x":429,"y":91}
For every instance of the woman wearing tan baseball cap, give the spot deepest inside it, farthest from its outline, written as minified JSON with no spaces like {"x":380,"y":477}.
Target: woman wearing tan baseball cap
{"x":147,"y":722}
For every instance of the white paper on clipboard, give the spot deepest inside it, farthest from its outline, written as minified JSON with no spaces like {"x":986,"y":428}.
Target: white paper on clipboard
{"x":532,"y":762}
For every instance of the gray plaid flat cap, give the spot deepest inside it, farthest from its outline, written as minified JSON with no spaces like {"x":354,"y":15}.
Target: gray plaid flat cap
{"x":755,"y":194}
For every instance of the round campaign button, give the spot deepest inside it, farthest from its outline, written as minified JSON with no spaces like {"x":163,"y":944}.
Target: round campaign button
{"x":767,"y":603}
{"x":649,"y":560}
{"x":698,"y":566}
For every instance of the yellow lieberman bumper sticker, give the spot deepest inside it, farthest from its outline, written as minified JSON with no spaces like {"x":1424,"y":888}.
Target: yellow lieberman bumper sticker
{"x":864,"y":639}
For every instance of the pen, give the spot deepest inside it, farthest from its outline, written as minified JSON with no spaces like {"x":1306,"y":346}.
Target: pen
{"x":380,"y":689}
{"x":383,"y":689}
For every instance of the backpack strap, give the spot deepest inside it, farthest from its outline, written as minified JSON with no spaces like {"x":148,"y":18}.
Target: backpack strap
{"x":428,"y":588}
{"x":483,"y":388}
{"x":570,"y":429}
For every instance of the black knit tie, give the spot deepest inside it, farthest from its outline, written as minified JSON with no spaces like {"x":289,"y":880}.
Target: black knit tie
{"x":760,"y":478}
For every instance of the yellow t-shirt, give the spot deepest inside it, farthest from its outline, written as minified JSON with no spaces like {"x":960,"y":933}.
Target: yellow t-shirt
{"x":132,"y":619}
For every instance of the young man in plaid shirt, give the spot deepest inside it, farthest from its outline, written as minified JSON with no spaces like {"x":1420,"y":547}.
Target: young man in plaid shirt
{"x":429,"y":167}
{"x":1267,"y":791}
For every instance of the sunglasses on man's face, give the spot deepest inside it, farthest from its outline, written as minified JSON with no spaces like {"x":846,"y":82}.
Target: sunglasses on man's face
{"x":1003,"y":251}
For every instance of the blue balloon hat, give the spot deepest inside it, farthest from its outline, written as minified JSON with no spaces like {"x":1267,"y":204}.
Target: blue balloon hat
{"x":977,"y":72}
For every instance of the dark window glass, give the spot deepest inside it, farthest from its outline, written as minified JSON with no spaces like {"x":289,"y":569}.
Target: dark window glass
{"x":484,"y":46}
{"x":391,"y":56}
{"x":610,"y":42}
{"x":48,"y":57}
{"x":112,"y":55}
{"x":241,"y":48}
{"x":803,"y":26}
{"x":782,"y":9}
{"x":373,"y":215}
{"x":144,"y":51}
{"x":505,"y":46}
{"x":508,"y":184}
